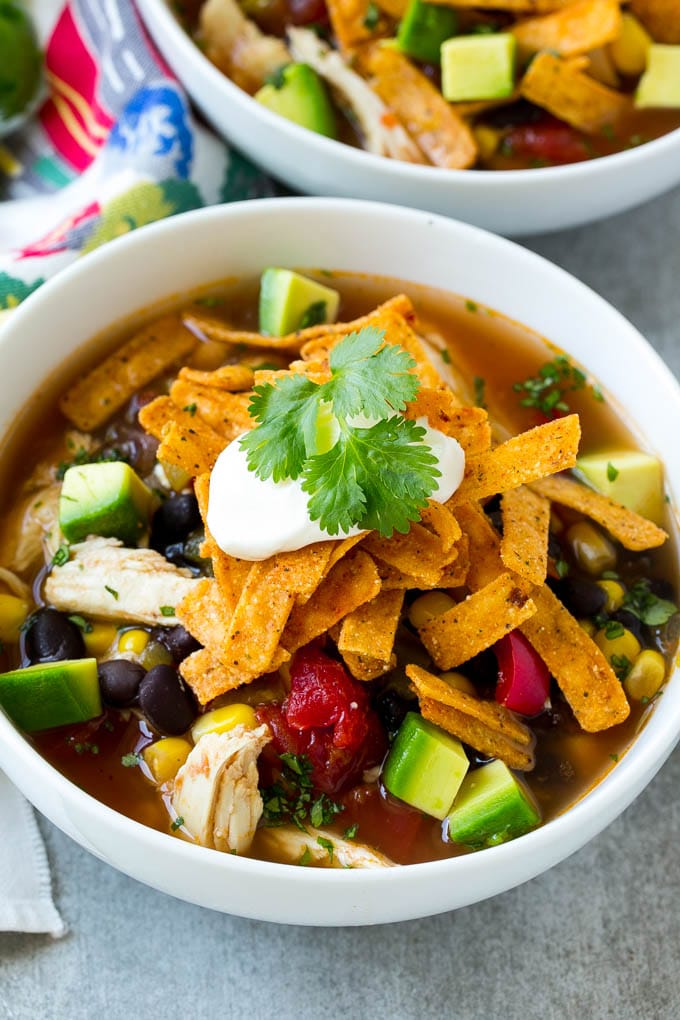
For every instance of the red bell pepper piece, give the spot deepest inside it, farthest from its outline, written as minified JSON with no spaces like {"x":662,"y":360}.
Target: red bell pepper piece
{"x":523,"y":678}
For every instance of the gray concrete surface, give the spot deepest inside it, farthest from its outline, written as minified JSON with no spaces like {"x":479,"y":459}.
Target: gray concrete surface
{"x":597,"y":937}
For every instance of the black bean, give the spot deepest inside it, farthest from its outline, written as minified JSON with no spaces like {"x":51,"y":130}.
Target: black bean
{"x":580,"y":597}
{"x":662,"y":589}
{"x":119,"y":681}
{"x":52,"y":637}
{"x":554,"y":547}
{"x":178,"y":641}
{"x":392,"y":708}
{"x":174,"y":520}
{"x":514,"y":115}
{"x":166,"y":701}
{"x":630,"y":622}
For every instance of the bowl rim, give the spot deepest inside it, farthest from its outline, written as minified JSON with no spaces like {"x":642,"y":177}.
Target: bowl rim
{"x":591,"y":812}
{"x":486,"y":180}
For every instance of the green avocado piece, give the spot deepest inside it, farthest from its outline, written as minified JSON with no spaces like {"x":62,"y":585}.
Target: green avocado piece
{"x":492,"y":807}
{"x":629,"y":477}
{"x":51,"y":694}
{"x":290,"y":301}
{"x":660,"y":84}
{"x":107,"y":499}
{"x":478,"y":67}
{"x":20,"y":63}
{"x":298,"y":93}
{"x":424,"y":28}
{"x":425,"y":766}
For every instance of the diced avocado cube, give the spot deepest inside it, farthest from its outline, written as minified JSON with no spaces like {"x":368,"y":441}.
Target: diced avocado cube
{"x":424,"y":28}
{"x":478,"y":67}
{"x":492,"y":807}
{"x":425,"y":766}
{"x":629,"y":477}
{"x":107,"y":499}
{"x":660,"y":84}
{"x":298,"y":94}
{"x":290,"y":301}
{"x":51,"y":694}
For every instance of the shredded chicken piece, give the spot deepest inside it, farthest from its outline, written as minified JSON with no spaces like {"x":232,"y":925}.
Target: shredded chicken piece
{"x":383,"y":133}
{"x":215,"y":792}
{"x":32,"y":533}
{"x":103,"y":578}
{"x":292,"y":846}
{"x":236,"y":45}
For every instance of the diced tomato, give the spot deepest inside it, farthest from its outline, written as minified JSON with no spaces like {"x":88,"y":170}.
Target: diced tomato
{"x":326,"y":717}
{"x":550,"y":140}
{"x":523,"y":677}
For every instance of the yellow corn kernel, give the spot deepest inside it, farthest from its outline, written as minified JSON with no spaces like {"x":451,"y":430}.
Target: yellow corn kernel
{"x":99,"y":639}
{"x":646,"y":676}
{"x":166,"y":757}
{"x":460,"y":682}
{"x":617,"y":649}
{"x":588,"y":626}
{"x":13,"y":613}
{"x":615,"y":593}
{"x":222,"y":719}
{"x":592,"y":550}
{"x":630,"y":48}
{"x":488,"y":139}
{"x":428,"y":606}
{"x":134,"y":641}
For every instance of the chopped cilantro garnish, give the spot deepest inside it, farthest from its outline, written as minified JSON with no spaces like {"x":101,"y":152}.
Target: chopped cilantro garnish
{"x":379,"y":476}
{"x":211,"y":301}
{"x":621,"y":665}
{"x":545,"y":391}
{"x":191,"y":409}
{"x":648,"y":607}
{"x":277,"y":78}
{"x":351,"y":831}
{"x":562,"y":568}
{"x":612,"y":472}
{"x":372,"y":16}
{"x":446,"y":357}
{"x":471,"y":306}
{"x":129,"y":761}
{"x":314,"y":315}
{"x":81,"y":622}
{"x":83,"y":457}
{"x":61,"y":556}
{"x":306,"y":857}
{"x":608,"y":131}
{"x":327,"y":845}
{"x":112,"y":591}
{"x":614,"y":757}
{"x":177,"y":824}
{"x":613,"y":629}
{"x":167,"y":610}
{"x":292,"y":798}
{"x":480,"y":391}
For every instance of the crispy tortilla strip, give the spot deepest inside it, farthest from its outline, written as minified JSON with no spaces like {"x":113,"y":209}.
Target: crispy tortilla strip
{"x":474,"y":108}
{"x":630,"y":529}
{"x":484,"y":545}
{"x":104,"y":390}
{"x":341,"y":548}
{"x":236,"y":45}
{"x":469,"y":425}
{"x":218,"y":331}
{"x":484,"y":725}
{"x":440,"y":521}
{"x":541,"y":451}
{"x":477,"y":734}
{"x":351,"y":582}
{"x":526,"y":523}
{"x":204,"y":614}
{"x":348,"y":21}
{"x":225,"y":412}
{"x":478,"y":622}
{"x":569,"y":32}
{"x":661,"y":18}
{"x":233,"y":378}
{"x":366,"y":640}
{"x":572,"y":95}
{"x":208,"y":677}
{"x":191,"y":448}
{"x":230,"y":572}
{"x":455,"y":574}
{"x":395,"y":8}
{"x":418,"y":553}
{"x":586,"y":679}
{"x":443,"y":136}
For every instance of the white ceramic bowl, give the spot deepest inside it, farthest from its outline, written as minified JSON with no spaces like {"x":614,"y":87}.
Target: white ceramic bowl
{"x":182,"y":253}
{"x":513,"y":202}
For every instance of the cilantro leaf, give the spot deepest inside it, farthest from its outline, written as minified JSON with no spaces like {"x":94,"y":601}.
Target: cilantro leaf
{"x":287,"y":414}
{"x":648,"y":607}
{"x":369,"y":379}
{"x":379,"y":478}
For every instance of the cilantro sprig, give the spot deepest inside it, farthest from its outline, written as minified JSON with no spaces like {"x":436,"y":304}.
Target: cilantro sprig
{"x":546,"y":390}
{"x":648,"y":607}
{"x":293,"y":798}
{"x":378,"y":473}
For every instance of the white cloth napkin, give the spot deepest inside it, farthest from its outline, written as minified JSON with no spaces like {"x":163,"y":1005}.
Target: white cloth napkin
{"x":25,"y":888}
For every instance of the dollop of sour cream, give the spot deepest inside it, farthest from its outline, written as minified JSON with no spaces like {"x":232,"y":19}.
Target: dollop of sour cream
{"x":254,"y":519}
